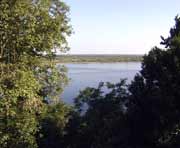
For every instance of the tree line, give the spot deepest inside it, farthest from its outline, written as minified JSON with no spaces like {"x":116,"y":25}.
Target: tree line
{"x":142,"y":114}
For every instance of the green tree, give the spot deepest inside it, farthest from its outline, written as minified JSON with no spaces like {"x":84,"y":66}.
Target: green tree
{"x":99,"y":120}
{"x":31,"y":31}
{"x":32,"y":27}
{"x":53,"y":124}
{"x":144,"y":114}
{"x":19,"y":108}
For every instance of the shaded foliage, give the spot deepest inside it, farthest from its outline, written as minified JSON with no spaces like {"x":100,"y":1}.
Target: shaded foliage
{"x":143,"y":114}
{"x":52,"y":124}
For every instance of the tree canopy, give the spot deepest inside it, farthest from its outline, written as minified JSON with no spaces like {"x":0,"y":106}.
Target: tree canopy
{"x":142,"y":114}
{"x":31,"y":32}
{"x":32,"y":27}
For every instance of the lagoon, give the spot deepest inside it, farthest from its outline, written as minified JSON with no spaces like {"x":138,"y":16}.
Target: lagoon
{"x":82,"y":75}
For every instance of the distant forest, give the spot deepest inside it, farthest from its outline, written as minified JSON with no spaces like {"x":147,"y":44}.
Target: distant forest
{"x":142,"y":114}
{"x":97,"y":58}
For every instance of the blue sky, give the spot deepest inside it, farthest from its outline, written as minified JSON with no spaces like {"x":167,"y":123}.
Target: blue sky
{"x":119,"y":26}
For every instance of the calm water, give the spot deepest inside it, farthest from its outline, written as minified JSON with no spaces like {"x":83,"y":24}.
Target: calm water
{"x":90,"y":74}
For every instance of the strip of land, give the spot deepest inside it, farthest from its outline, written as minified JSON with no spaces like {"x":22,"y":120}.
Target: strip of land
{"x":97,"y":58}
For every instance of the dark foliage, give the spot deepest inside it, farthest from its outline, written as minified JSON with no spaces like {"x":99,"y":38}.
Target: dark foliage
{"x":144,"y":114}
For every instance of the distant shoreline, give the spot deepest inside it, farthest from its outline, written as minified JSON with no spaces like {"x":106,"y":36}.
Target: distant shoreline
{"x":94,"y":58}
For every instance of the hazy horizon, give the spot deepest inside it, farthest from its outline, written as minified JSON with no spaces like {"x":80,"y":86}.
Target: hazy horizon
{"x":113,"y":54}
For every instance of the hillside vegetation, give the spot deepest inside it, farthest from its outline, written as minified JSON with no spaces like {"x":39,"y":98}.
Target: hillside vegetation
{"x":142,"y":114}
{"x":97,"y":58}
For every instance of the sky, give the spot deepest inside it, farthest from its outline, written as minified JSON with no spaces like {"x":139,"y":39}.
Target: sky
{"x":119,"y":26}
